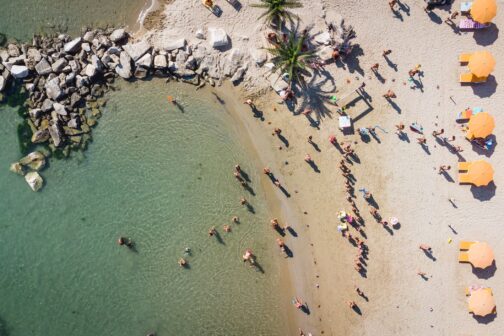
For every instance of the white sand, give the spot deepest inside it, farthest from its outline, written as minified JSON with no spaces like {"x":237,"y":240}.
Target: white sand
{"x":402,"y":177}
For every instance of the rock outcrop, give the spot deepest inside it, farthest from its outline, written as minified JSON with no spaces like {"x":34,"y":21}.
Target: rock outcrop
{"x":34,"y":180}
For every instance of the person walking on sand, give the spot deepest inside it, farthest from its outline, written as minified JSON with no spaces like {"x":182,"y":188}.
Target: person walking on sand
{"x":436,"y":133}
{"x":375,"y":67}
{"x":249,"y":102}
{"x":422,"y":140}
{"x":386,"y":52}
{"x":308,"y":158}
{"x":277,"y":131}
{"x":449,"y":19}
{"x":389,"y":94}
{"x":238,"y":177}
{"x":266,"y":171}
{"x":392,"y":4}
{"x":425,"y":248}
{"x":399,"y":129}
{"x":332,"y":139}
{"x":422,"y":274}
{"x":443,"y":169}
{"x":278,"y":184}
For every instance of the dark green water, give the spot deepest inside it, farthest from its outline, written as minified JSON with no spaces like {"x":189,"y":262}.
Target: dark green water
{"x":163,"y":178}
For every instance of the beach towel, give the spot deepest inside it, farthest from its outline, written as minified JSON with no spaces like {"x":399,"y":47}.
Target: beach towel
{"x":470,"y":24}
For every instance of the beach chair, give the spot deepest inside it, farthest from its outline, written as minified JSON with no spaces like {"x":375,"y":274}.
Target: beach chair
{"x":464,"y":179}
{"x":464,"y":58}
{"x":463,"y":166}
{"x":465,"y":7}
{"x":463,"y":257}
{"x":465,"y":245}
{"x":470,"y":78}
{"x":469,"y":24}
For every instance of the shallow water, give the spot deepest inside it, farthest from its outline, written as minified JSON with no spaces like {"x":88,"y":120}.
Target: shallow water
{"x":163,"y":178}
{"x":20,"y":19}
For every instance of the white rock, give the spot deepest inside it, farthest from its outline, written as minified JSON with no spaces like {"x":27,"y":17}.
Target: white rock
{"x":59,"y":64}
{"x":238,"y":75}
{"x":145,"y":61}
{"x":34,"y":180}
{"x":278,"y":84}
{"x":19,"y":71}
{"x":137,"y":50}
{"x":73,"y":46}
{"x":325,"y":53}
{"x":35,"y":113}
{"x":53,"y":89}
{"x":323,"y":38}
{"x":200,"y":34}
{"x":43,"y":67}
{"x":54,"y":131}
{"x":217,"y":37}
{"x":74,"y":65}
{"x":34,"y":54}
{"x":3,"y":83}
{"x":86,"y":47}
{"x":60,"y":109}
{"x":4,"y":55}
{"x":117,"y":35}
{"x":95,"y":61}
{"x":88,"y":36}
{"x":90,"y":70}
{"x":175,"y":44}
{"x":160,"y":62}
{"x":259,"y":56}
{"x":124,"y":69}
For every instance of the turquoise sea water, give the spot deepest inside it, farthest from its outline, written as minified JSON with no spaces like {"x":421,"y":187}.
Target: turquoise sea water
{"x":163,"y":178}
{"x":20,"y":19}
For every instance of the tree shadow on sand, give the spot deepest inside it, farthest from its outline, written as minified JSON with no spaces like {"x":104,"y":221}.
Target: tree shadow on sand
{"x":315,"y":96}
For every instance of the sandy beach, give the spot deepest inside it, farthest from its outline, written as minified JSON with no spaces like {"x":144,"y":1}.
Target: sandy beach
{"x":401,"y":175}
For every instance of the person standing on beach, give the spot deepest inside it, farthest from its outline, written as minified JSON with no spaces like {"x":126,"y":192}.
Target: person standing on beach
{"x":449,"y":19}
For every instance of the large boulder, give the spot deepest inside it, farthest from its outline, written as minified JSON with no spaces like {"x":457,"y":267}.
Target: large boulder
{"x":34,"y":161}
{"x":73,"y":46}
{"x":34,"y":180}
{"x":60,"y":109}
{"x":117,"y":35}
{"x":88,"y":36}
{"x":55,"y":133}
{"x":47,"y":105}
{"x":59,"y":65}
{"x":34,"y":54}
{"x":124,"y":69}
{"x":40,"y":136}
{"x":160,"y":62}
{"x":259,"y":56}
{"x":13,"y":50}
{"x":90,"y":70}
{"x":137,"y":50}
{"x":53,"y":89}
{"x":19,"y":71}
{"x":175,"y":44}
{"x":43,"y":67}
{"x":145,"y":61}
{"x":217,"y":37}
{"x":17,"y":168}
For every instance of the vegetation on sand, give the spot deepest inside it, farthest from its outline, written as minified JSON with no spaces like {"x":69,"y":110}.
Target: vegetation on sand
{"x":277,"y":10}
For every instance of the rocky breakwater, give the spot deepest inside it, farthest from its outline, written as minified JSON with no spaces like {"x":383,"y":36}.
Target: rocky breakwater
{"x":66,"y":78}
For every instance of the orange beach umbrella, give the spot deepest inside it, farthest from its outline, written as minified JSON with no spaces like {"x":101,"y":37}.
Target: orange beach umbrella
{"x":481,"y":63}
{"x":481,"y":125}
{"x":480,"y":255}
{"x":481,"y":302}
{"x":483,"y":11}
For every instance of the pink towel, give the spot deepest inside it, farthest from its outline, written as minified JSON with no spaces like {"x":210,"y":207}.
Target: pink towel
{"x":470,"y":24}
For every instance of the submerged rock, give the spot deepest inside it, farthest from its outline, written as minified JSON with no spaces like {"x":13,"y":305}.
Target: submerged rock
{"x":34,"y":180}
{"x":40,"y":136}
{"x":34,"y":161}
{"x":17,"y":168}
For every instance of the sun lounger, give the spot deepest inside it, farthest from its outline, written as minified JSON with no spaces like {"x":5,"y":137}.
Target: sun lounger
{"x":464,"y":58}
{"x":470,"y":78}
{"x":463,"y":166}
{"x":465,"y":7}
{"x":465,"y":245}
{"x":232,"y":2}
{"x":463,"y":257}
{"x":470,"y":24}
{"x":464,"y":179}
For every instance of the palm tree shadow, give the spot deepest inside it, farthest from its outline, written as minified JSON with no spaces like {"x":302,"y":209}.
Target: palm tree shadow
{"x":315,"y":96}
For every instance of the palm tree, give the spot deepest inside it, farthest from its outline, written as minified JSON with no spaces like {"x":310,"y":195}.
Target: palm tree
{"x":277,"y":11}
{"x":290,"y":57}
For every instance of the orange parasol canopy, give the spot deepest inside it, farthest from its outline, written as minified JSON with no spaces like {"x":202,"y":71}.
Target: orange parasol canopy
{"x":483,"y":11}
{"x":481,"y":125}
{"x":480,"y":173}
{"x":480,"y":255}
{"x":481,"y":63}
{"x":481,"y":302}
